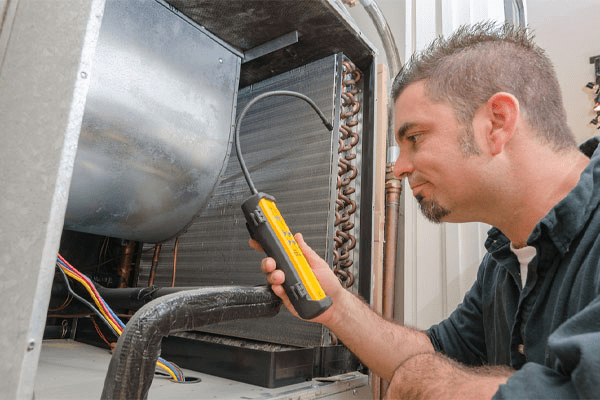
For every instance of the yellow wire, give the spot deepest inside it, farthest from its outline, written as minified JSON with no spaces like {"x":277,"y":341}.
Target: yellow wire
{"x":117,"y":328}
{"x":163,"y":366}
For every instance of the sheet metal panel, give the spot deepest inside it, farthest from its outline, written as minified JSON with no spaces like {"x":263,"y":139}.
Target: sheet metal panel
{"x":157,"y":124}
{"x":44,"y":49}
{"x":324,"y":28}
{"x":86,"y":367}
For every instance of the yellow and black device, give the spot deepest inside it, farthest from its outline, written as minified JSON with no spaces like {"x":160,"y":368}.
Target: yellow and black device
{"x":267,"y":227}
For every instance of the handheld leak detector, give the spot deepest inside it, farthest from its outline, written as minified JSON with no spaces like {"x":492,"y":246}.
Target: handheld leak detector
{"x":267,"y":227}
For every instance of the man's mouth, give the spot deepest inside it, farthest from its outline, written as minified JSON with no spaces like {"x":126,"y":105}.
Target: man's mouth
{"x":415,"y":188}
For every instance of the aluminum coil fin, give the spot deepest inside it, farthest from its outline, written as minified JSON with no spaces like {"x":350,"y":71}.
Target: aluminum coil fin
{"x":291,"y":156}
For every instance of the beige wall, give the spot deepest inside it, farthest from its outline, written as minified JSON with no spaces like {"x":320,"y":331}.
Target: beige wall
{"x":570,"y":33}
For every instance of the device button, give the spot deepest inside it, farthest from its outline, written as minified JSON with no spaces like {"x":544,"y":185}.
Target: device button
{"x":299,"y":291}
{"x":258,"y":217}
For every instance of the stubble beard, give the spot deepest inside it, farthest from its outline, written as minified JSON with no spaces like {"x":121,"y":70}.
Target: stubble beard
{"x":432,"y":210}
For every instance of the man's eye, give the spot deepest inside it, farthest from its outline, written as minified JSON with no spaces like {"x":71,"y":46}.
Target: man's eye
{"x":413,"y":138}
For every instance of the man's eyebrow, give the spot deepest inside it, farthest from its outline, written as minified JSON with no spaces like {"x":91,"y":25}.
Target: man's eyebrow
{"x":403,"y":129}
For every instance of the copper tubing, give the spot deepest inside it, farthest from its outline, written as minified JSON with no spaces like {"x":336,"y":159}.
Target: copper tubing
{"x":175,"y":247}
{"x":344,"y":240}
{"x":124,"y":270}
{"x":154,"y":264}
{"x":393,"y":189}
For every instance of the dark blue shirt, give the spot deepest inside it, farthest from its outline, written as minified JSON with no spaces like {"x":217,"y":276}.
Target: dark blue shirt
{"x":549,"y":330}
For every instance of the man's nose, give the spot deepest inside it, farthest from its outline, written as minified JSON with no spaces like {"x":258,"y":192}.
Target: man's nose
{"x":403,"y":166}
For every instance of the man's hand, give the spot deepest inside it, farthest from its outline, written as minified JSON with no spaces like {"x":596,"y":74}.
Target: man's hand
{"x":381,"y":345}
{"x":434,"y":376}
{"x":329,"y":282}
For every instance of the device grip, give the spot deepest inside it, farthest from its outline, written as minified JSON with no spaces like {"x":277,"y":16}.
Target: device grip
{"x":267,"y":227}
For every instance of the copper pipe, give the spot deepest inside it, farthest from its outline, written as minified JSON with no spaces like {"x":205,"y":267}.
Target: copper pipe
{"x":175,"y":247}
{"x":154,"y":264}
{"x":124,"y":270}
{"x":393,"y":189}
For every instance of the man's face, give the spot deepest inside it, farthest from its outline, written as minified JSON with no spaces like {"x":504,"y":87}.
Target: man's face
{"x":436,"y":156}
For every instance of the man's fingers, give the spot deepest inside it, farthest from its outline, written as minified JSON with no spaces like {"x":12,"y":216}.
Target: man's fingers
{"x":280,"y":292}
{"x":255,"y":245}
{"x":276,"y":277}
{"x":308,"y":252}
{"x":267,"y":265}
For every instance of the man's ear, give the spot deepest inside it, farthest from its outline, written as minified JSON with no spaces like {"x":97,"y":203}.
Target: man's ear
{"x":503,"y":113}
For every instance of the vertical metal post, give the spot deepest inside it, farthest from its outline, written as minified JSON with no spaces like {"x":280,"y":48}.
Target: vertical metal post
{"x":515,"y":13}
{"x":46,"y":50}
{"x":379,"y":205}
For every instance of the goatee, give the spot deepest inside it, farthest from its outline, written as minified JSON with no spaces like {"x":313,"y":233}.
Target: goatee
{"x":432,"y":210}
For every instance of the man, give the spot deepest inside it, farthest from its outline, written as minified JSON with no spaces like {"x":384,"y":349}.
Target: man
{"x":483,"y":137}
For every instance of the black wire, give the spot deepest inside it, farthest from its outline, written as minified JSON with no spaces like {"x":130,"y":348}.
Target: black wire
{"x":238,"y":150}
{"x":84,"y":301}
{"x":102,"y":318}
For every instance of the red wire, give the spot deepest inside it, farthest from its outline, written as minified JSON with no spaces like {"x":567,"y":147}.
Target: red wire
{"x":91,"y":285}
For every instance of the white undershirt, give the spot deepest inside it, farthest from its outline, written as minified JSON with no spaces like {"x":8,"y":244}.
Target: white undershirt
{"x":525,"y":255}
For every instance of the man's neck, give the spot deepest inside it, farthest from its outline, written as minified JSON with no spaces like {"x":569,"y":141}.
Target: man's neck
{"x":539,"y":184}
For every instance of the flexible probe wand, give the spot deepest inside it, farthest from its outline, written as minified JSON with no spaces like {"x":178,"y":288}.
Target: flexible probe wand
{"x":267,"y":227}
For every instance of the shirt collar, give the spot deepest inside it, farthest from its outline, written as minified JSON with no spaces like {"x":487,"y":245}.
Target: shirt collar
{"x":567,"y":219}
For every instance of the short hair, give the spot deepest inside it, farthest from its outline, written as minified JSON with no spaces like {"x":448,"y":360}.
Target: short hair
{"x":477,"y":61}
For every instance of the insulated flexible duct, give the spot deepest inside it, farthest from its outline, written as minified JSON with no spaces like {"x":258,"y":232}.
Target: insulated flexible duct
{"x":132,"y":365}
{"x":119,"y":299}
{"x":135,"y":298}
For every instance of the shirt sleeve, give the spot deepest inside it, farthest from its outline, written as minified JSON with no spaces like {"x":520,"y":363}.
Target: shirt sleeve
{"x":461,"y":336}
{"x":575,"y":347}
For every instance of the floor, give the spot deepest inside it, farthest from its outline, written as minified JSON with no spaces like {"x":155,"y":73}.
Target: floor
{"x":73,"y":370}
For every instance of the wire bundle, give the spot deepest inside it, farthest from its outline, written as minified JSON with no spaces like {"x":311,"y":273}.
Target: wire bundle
{"x":106,"y":313}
